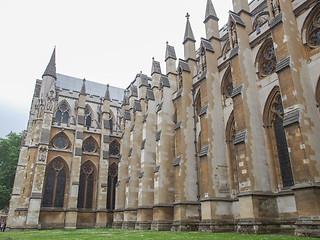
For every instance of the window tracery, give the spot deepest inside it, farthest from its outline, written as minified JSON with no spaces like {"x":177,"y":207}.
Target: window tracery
{"x":62,"y":114}
{"x":60,"y":141}
{"x":86,"y":185}
{"x":55,"y":184}
{"x":227,"y":86}
{"x":203,"y":60}
{"x":180,"y":79}
{"x":313,"y":30}
{"x":114,"y":148}
{"x":267,"y":60}
{"x":112,"y":181}
{"x":89,"y":145}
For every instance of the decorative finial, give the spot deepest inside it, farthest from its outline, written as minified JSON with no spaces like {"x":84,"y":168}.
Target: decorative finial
{"x":152,"y":58}
{"x":167,"y":42}
{"x":187,"y":16}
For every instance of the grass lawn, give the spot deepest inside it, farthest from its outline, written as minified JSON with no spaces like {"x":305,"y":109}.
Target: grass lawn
{"x":94,"y":234}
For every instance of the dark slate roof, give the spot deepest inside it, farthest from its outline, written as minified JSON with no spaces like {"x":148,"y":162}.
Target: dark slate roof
{"x":150,"y":95}
{"x":276,"y":20}
{"x":207,"y":45}
{"x":156,"y":169}
{"x":176,"y":162}
{"x":240,"y":137}
{"x":210,"y":12}
{"x":184,"y":65}
{"x":236,"y":91}
{"x":92,"y":88}
{"x":156,"y":68}
{"x":51,"y":68}
{"x":282,"y":64}
{"x":203,"y":110}
{"x":291,"y":117}
{"x":204,"y":151}
{"x":188,"y":35}
{"x":164,"y":81}
{"x":236,"y":18}
{"x":170,"y":53}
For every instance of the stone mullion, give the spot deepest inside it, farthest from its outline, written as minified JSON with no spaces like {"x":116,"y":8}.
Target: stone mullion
{"x":101,"y":219}
{"x":146,"y":186}
{"x":123,"y":175}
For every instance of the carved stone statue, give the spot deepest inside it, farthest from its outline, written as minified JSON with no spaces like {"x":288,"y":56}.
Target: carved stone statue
{"x":42,"y":154}
{"x":275,"y":7}
{"x":50,"y":100}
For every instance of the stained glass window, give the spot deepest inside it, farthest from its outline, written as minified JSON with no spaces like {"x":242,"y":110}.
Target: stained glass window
{"x":60,"y":142}
{"x":86,"y":185}
{"x":112,"y":181}
{"x":89,"y":145}
{"x":55,"y":184}
{"x":114,"y":148}
{"x":62,"y":114}
{"x":314,"y":30}
{"x":267,"y":60}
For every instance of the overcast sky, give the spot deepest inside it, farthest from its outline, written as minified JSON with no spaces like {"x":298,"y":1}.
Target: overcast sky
{"x":103,"y":41}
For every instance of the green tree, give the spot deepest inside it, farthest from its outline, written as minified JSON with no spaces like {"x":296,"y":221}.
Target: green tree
{"x":9,"y":154}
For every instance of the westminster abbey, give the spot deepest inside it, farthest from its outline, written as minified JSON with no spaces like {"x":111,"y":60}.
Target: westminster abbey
{"x":225,"y":139}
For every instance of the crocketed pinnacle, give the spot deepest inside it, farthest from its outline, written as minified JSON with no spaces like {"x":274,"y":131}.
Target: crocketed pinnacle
{"x":188,"y":35}
{"x":51,"y":68}
{"x":83,"y":88}
{"x":107,"y":94}
{"x":210,"y":12}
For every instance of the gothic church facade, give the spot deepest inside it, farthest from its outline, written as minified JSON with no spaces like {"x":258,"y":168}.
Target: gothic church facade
{"x":226,"y":139}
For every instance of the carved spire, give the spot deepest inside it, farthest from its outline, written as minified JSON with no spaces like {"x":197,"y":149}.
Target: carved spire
{"x":107,"y":94}
{"x":51,"y":68}
{"x":83,"y":88}
{"x":188,"y":35}
{"x":210,"y":12}
{"x":125,"y":98}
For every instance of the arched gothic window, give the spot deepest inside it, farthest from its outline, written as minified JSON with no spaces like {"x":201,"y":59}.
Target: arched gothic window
{"x":226,"y":49}
{"x":313,"y":28}
{"x":112,"y":181}
{"x":227,"y":86}
{"x":273,"y":121}
{"x":90,"y":145}
{"x":197,"y":105}
{"x":266,"y":60}
{"x":61,"y":141}
{"x":203,"y":59}
{"x":55,"y":184}
{"x":233,"y":171}
{"x":86,"y":185}
{"x":62,"y":114}
{"x":114,"y":148}
{"x":88,"y":117}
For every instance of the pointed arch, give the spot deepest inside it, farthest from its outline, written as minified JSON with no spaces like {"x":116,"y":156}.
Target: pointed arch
{"x":61,"y":141}
{"x":226,"y":48}
{"x":197,"y":104}
{"x":88,"y":115}
{"x":233,"y":165}
{"x":90,"y":145}
{"x":63,"y":112}
{"x":114,"y":148}
{"x":112,"y":121}
{"x":266,"y":59}
{"x":276,"y":139}
{"x":55,"y":185}
{"x":318,"y":92}
{"x":112,"y":181}
{"x":87,"y":184}
{"x":226,"y":86}
{"x":311,"y":28}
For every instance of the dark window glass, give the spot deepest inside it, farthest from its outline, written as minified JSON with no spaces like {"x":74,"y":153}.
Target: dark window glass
{"x":61,"y":183}
{"x":112,"y":181}
{"x":60,"y":142}
{"x":282,"y":147}
{"x":58,"y":117}
{"x":85,"y":195}
{"x":89,"y":191}
{"x":49,"y":188}
{"x":82,"y":186}
{"x":114,"y":148}
{"x":65,"y":117}
{"x":89,"y":146}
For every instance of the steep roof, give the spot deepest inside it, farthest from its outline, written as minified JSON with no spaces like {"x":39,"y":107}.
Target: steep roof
{"x":51,"y":68}
{"x":92,"y":88}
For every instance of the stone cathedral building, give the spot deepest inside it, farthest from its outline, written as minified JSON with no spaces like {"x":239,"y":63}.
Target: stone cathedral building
{"x":225,"y":139}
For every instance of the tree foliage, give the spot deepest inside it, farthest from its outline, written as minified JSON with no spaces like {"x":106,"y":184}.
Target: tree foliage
{"x":9,"y":155}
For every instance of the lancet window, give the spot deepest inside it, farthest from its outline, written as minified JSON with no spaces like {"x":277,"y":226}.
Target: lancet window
{"x":86,"y":185}
{"x":313,"y":30}
{"x":55,"y":184}
{"x":227,"y":86}
{"x":112,"y":181}
{"x":267,"y":60}
{"x":88,"y":117}
{"x":62,"y":114}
